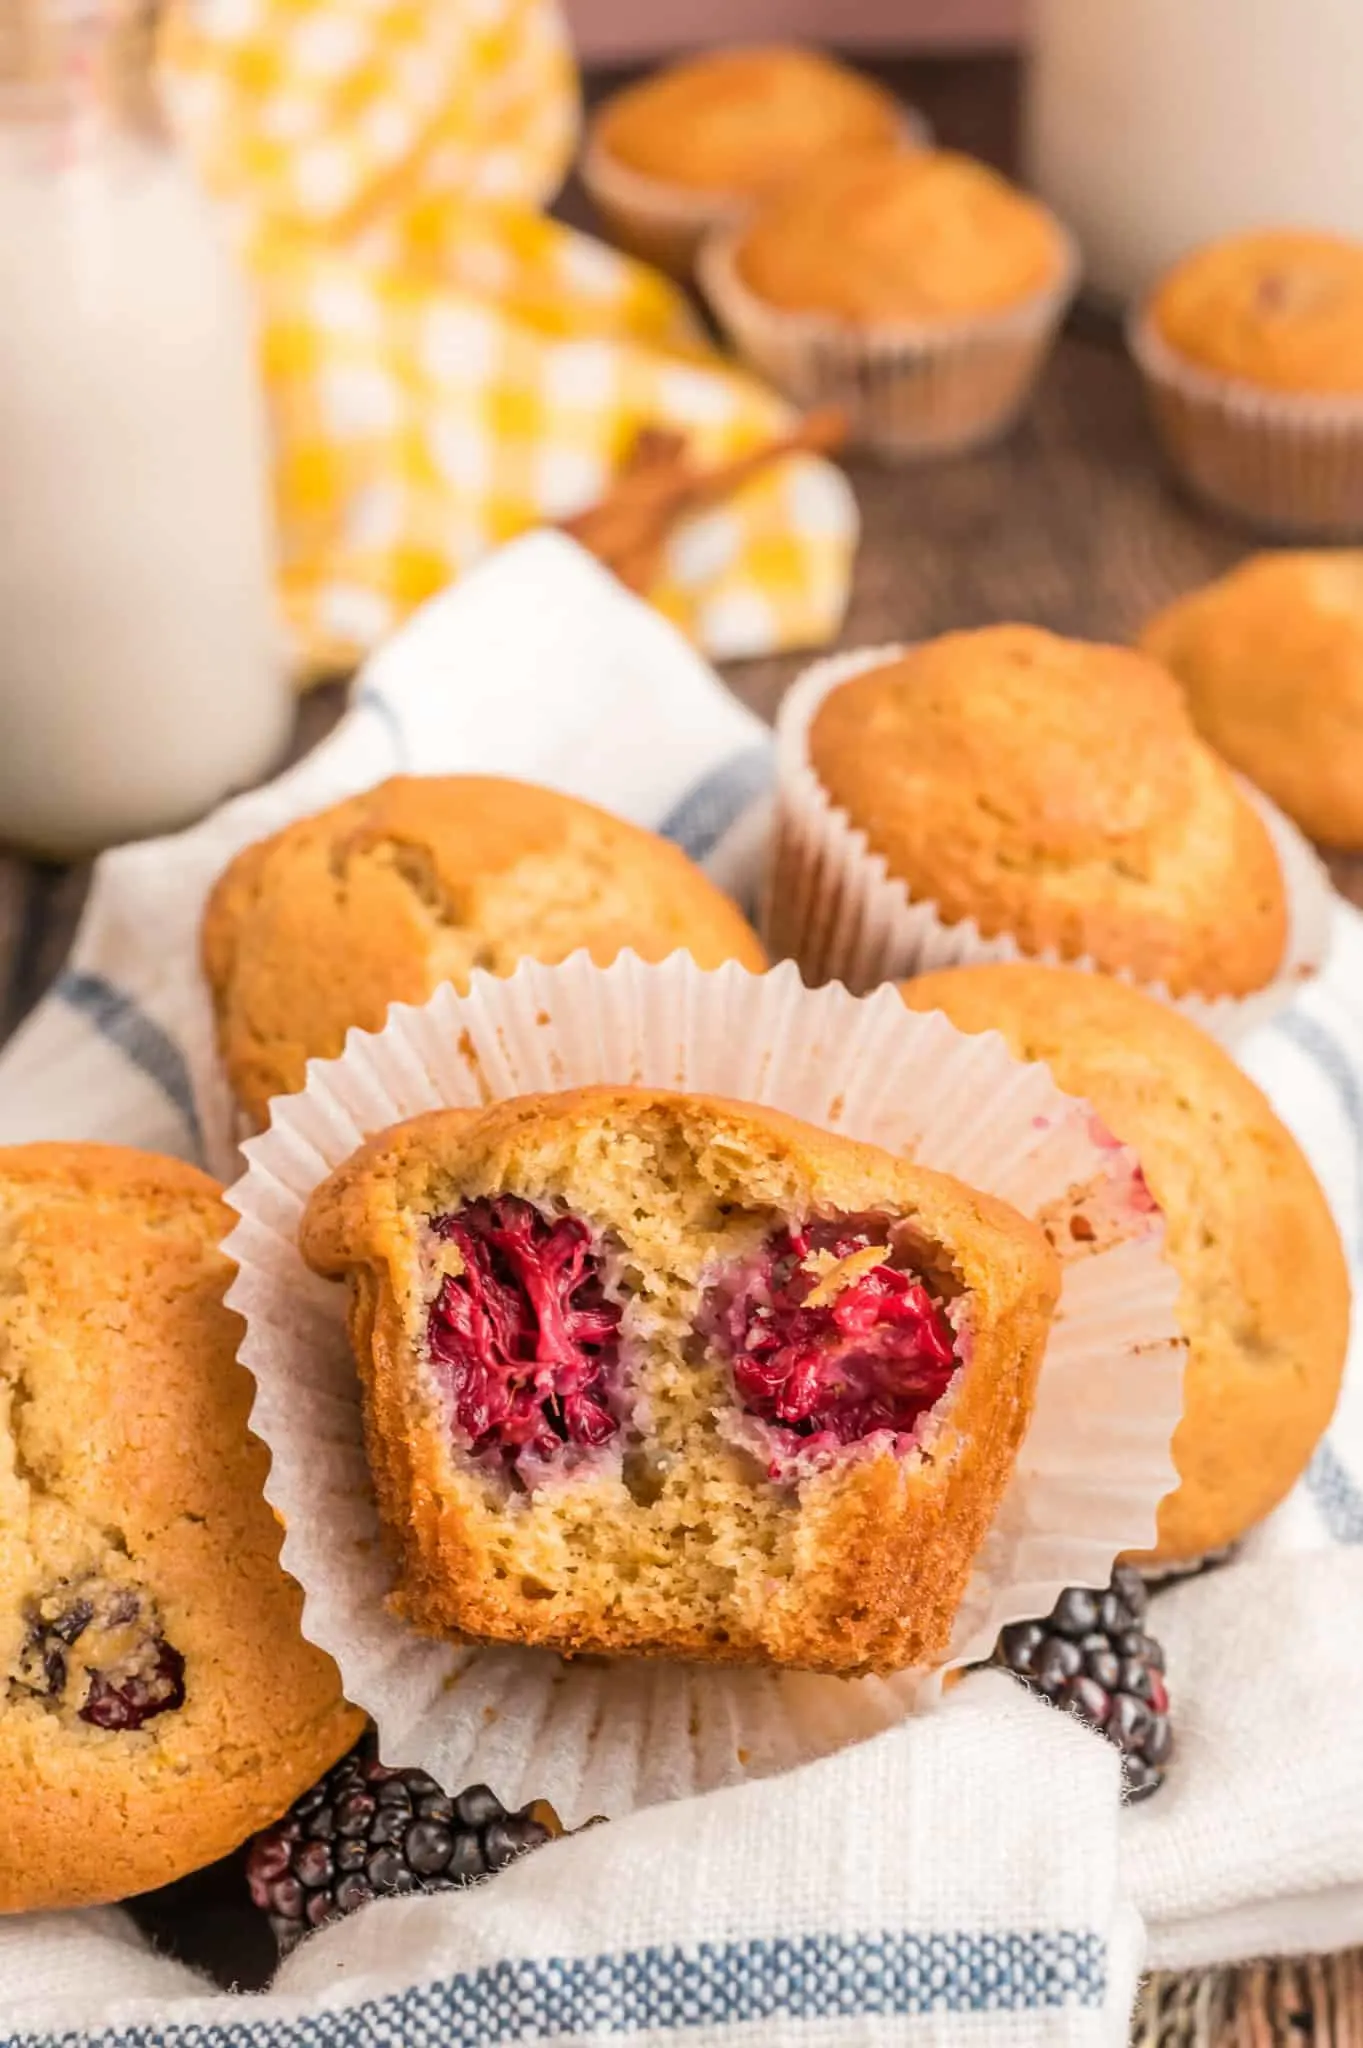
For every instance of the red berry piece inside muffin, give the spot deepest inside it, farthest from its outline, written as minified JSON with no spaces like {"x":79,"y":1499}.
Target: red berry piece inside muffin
{"x":657,"y":1374}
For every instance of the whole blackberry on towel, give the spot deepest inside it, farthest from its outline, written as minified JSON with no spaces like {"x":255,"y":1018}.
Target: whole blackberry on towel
{"x":1092,"y":1656}
{"x":365,"y":1832}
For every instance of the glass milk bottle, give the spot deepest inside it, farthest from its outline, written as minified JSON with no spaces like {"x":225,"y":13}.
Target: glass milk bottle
{"x":141,"y":666}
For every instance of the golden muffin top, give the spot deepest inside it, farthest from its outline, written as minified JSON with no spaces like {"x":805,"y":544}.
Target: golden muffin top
{"x":742,"y":120}
{"x":418,"y":881}
{"x":1281,"y":308}
{"x":1264,"y":1300}
{"x":1271,"y":659}
{"x":1056,"y":791}
{"x":911,"y":235}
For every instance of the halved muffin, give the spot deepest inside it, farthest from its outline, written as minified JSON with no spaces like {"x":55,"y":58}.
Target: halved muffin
{"x":658,"y":1374}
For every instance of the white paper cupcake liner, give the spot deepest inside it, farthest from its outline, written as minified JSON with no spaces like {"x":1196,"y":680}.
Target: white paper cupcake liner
{"x":666,"y":224}
{"x":832,"y":906}
{"x":605,"y":1736}
{"x":911,"y":392}
{"x":1290,"y":465}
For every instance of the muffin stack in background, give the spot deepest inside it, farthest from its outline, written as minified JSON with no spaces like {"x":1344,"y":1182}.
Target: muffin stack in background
{"x":846,"y":260}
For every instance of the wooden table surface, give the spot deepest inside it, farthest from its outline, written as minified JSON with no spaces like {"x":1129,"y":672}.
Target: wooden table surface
{"x":1069,"y":524}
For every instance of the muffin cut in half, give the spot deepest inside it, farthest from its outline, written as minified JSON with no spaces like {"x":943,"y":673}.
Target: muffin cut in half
{"x":659,"y":1374}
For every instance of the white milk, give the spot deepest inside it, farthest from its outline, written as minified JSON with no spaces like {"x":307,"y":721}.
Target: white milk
{"x":141,"y":671}
{"x":1153,"y":125}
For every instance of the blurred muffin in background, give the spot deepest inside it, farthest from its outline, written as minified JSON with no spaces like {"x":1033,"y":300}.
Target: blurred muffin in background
{"x":1271,"y":659}
{"x":919,"y":290}
{"x":693,"y":146}
{"x":1252,"y":353}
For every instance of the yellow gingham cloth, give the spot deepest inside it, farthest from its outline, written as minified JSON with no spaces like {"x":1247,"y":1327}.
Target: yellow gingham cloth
{"x":445,"y":365}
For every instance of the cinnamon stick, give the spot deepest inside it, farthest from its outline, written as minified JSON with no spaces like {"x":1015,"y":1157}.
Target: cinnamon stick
{"x":658,"y":484}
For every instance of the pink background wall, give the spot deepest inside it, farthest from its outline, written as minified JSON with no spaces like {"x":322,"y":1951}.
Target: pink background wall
{"x":609,"y":30}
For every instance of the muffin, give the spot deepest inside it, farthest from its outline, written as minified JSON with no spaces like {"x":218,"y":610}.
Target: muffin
{"x":693,"y":146}
{"x":1271,"y":659}
{"x":159,"y":1701}
{"x":1012,"y":787}
{"x":1264,"y":1297}
{"x":1252,"y":354}
{"x":657,"y":1374}
{"x":417,"y":882}
{"x":917,"y":290}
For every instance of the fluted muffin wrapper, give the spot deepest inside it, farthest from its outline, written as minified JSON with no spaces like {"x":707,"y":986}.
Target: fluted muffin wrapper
{"x":1288,"y":464}
{"x":665,"y":223}
{"x":605,"y":1736}
{"x":911,"y":391}
{"x":832,"y":906}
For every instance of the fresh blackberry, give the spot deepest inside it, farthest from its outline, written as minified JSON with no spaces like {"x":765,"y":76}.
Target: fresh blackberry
{"x":1092,"y":1656}
{"x":364,"y":1832}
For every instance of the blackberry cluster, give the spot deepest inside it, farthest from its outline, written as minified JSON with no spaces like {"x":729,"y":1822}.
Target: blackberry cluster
{"x":365,"y":1832}
{"x":1093,"y":1656}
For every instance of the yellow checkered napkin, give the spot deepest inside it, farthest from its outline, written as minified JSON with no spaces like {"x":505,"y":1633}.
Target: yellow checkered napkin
{"x":446,"y":366}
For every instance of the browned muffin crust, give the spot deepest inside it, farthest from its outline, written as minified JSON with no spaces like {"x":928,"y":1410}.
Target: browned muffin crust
{"x":1265,"y":1289}
{"x":1271,"y":658}
{"x":860,"y":1565}
{"x":129,"y":1482}
{"x":1056,"y":791}
{"x":385,"y":896}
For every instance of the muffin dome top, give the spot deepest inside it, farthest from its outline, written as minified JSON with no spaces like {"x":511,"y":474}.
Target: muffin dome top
{"x":1281,"y":309}
{"x":740,"y":120}
{"x":418,"y":881}
{"x":1271,"y":659}
{"x":1055,"y":790}
{"x":158,"y":1701}
{"x":914,"y":235}
{"x":1265,"y":1291}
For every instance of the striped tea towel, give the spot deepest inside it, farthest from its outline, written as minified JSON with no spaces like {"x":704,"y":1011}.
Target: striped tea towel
{"x":968,"y":1877}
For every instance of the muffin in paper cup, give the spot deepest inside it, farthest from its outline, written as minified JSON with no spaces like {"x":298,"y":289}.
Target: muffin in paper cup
{"x":1287,"y":464}
{"x":911,"y":391}
{"x":597,"y":1735}
{"x":832,"y":906}
{"x":666,"y":224}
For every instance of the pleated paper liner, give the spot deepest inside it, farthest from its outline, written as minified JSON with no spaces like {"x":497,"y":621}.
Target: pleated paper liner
{"x":666,"y":224}
{"x":1289,"y":464}
{"x":912,"y":391}
{"x":602,"y":1736}
{"x":832,"y":906}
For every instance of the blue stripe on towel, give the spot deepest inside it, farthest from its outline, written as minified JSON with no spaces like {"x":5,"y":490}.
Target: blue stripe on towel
{"x":1337,"y":1495}
{"x":371,"y":699}
{"x":138,"y":1037}
{"x":699,"y":821}
{"x":705,"y":1984}
{"x":1326,"y":1053}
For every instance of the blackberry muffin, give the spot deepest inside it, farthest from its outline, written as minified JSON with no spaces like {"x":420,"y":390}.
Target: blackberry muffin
{"x":157,"y":1701}
{"x":1252,"y":353}
{"x":418,"y":881}
{"x":1270,"y":657}
{"x":1056,"y":792}
{"x":1264,"y":1301}
{"x":652,"y":1374}
{"x":695,"y":144}
{"x":919,"y":290}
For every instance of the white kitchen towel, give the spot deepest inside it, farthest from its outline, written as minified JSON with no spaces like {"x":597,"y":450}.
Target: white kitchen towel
{"x":969,"y":1877}
{"x":854,"y":1902}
